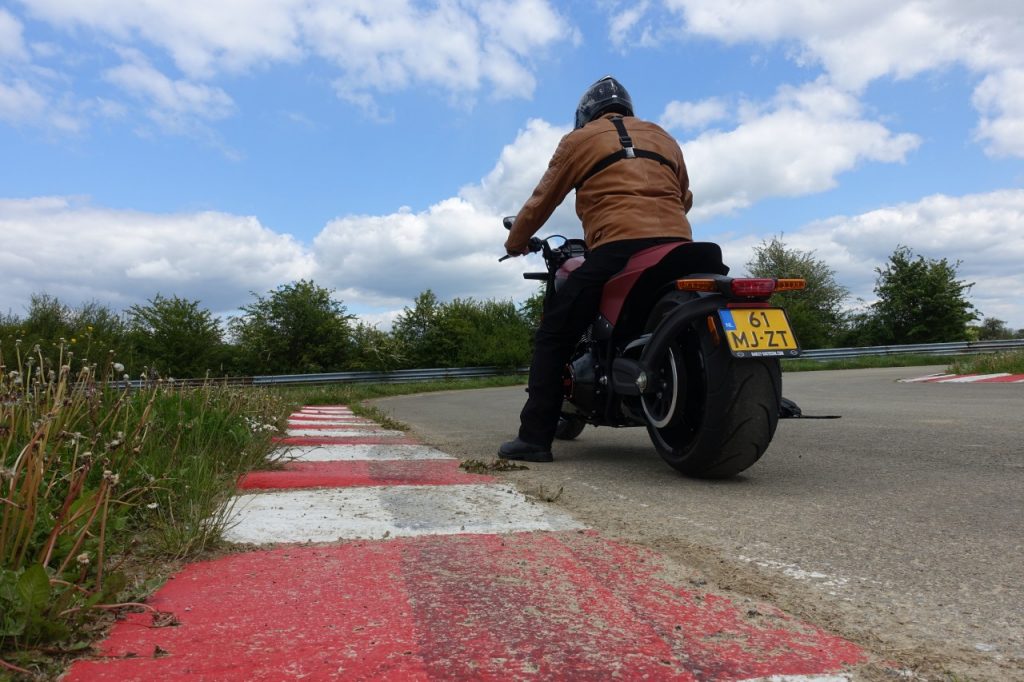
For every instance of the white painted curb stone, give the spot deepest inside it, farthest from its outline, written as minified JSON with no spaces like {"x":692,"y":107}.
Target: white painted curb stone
{"x":332,"y":514}
{"x":340,"y":433}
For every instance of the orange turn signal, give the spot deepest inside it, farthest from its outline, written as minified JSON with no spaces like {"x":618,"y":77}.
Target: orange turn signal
{"x":790,"y":284}
{"x":696,"y":285}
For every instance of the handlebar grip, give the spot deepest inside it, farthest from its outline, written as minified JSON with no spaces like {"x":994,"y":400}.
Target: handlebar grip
{"x":535,"y":275}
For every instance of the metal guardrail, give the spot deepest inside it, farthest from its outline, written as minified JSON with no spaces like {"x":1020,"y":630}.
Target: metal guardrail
{"x":951,"y":348}
{"x":393,"y":377}
{"x":441,"y":373}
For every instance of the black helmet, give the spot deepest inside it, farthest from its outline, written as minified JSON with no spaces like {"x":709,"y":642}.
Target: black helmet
{"x":603,"y":96}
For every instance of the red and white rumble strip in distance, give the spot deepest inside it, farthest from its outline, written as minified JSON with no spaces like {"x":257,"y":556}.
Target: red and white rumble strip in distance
{"x":422,"y":571}
{"x":999,"y":378}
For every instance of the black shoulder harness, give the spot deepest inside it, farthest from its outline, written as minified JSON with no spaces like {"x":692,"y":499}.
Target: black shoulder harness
{"x":628,"y":151}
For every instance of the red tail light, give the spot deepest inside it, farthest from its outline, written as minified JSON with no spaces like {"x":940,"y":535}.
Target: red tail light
{"x":754,"y":287}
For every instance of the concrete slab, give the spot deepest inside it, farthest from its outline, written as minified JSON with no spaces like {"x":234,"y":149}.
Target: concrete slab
{"x":332,"y":514}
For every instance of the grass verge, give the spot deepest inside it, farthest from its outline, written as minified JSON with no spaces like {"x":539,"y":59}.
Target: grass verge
{"x":100,"y":487}
{"x":867,"y":362}
{"x":982,"y":363}
{"x":990,"y":363}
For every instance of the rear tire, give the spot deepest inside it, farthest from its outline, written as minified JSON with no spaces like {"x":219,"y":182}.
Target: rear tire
{"x":712,"y":415}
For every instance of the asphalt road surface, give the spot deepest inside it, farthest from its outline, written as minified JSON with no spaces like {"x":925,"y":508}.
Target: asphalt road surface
{"x":899,"y":526}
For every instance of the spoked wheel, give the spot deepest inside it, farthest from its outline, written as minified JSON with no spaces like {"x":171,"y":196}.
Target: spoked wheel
{"x":711,"y":415}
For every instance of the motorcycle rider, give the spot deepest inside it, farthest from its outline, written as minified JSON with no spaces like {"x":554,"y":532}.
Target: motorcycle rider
{"x":632,"y":192}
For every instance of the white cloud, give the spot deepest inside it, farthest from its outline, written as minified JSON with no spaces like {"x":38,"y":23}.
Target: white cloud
{"x":983,"y":231}
{"x":858,"y":42}
{"x":20,"y":102}
{"x":794,"y":145}
{"x":378,"y":45}
{"x":203,"y":38}
{"x":518,"y":169}
{"x":78,"y":252}
{"x":1000,"y":99}
{"x":378,"y":263}
{"x":452,"y":247}
{"x":694,"y":115}
{"x":12,"y":45}
{"x":623,"y":23}
{"x":175,"y":105}
{"x":457,"y":47}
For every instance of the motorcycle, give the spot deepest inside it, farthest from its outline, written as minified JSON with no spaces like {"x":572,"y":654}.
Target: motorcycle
{"x":680,"y":348}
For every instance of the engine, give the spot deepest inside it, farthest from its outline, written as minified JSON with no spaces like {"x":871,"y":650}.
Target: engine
{"x":581,"y":383}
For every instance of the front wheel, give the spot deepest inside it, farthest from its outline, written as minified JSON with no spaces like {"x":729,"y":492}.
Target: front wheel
{"x":709,"y":415}
{"x":569,"y":428}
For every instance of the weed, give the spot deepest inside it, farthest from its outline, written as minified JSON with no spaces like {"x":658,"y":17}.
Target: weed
{"x":480,"y":466}
{"x":540,"y":492}
{"x":93,"y":474}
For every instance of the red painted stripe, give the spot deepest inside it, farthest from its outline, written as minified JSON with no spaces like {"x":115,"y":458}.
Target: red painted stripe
{"x":576,"y":605}
{"x":364,"y":426}
{"x":345,"y":440}
{"x":1013,"y":378}
{"x":314,"y":613}
{"x":332,"y":420}
{"x":362,"y":473}
{"x":486,"y":607}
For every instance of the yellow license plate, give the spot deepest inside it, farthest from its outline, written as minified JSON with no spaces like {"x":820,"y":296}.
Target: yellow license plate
{"x":758,"y":332}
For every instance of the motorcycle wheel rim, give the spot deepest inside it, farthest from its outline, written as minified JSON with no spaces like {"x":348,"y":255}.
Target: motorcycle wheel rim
{"x":665,"y":416}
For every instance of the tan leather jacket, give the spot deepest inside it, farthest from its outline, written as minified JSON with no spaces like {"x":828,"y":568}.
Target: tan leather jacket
{"x":630,"y":199}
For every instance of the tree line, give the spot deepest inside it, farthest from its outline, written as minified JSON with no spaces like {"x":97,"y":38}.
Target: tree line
{"x":300,"y":328}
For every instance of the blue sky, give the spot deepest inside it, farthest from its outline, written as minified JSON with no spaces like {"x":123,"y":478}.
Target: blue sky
{"x":209,"y":150}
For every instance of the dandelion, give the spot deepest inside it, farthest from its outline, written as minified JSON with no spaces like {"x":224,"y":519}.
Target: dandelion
{"x":83,"y":559}
{"x":118,"y":367}
{"x":127,"y":378}
{"x":73,"y":340}
{"x":152,"y":505}
{"x":111,"y":478}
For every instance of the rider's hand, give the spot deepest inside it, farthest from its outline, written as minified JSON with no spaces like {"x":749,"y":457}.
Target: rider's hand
{"x":513,"y":252}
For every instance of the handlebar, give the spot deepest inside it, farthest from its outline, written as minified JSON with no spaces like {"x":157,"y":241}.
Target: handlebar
{"x":536,"y":244}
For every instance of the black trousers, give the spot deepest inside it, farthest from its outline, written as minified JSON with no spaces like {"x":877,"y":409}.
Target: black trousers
{"x":567,"y":315}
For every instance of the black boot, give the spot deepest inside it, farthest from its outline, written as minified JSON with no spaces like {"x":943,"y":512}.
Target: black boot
{"x":526,"y":452}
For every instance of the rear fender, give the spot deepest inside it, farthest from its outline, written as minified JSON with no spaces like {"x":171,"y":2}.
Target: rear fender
{"x":629,"y":376}
{"x":632,"y":291}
